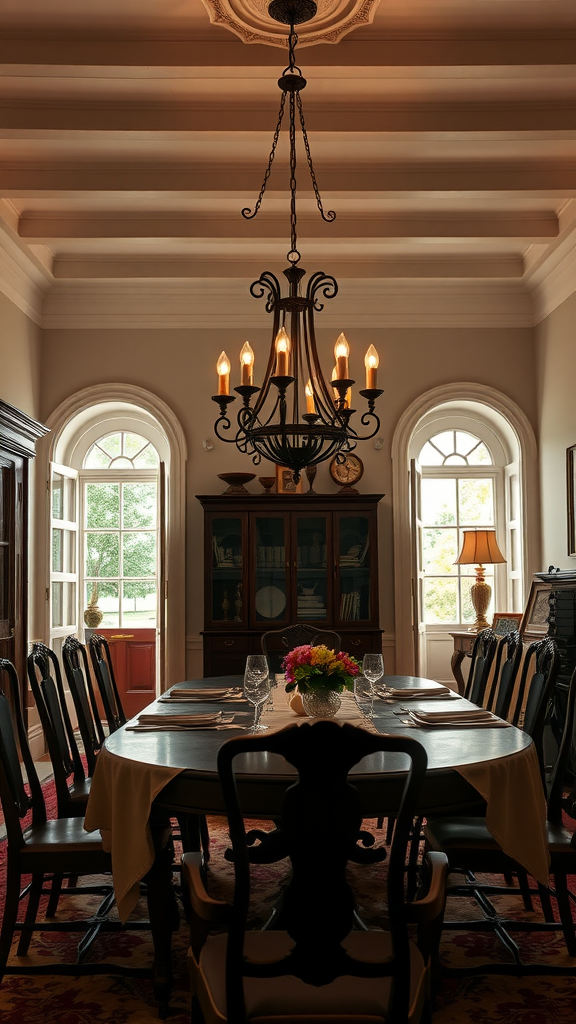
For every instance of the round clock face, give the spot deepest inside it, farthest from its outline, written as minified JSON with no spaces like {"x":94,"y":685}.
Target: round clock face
{"x":348,"y":472}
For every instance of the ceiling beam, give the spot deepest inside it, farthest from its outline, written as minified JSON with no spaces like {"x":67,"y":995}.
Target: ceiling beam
{"x":41,"y":229}
{"x":551,"y":177}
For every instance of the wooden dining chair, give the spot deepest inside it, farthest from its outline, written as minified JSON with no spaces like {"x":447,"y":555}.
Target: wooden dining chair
{"x":483,"y":653}
{"x":87,"y":712}
{"x":276,"y":643}
{"x":472,"y":849}
{"x":506,"y":666}
{"x":104,"y":675}
{"x":315,"y":965}
{"x":57,"y":847}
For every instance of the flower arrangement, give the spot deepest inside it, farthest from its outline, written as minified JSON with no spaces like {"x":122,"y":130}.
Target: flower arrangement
{"x":318,"y":668}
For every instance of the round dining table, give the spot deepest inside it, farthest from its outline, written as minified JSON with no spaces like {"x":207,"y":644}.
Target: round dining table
{"x":145,"y":775}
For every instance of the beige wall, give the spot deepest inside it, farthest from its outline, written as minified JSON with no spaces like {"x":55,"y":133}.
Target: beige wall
{"x":556,"y":377}
{"x":19,"y":358}
{"x":179,"y":367}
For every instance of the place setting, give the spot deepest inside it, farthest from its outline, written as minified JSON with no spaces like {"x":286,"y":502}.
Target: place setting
{"x":163,"y":722}
{"x":202,"y":695}
{"x":464,"y":718}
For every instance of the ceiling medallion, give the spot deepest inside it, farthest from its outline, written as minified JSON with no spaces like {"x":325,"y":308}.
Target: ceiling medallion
{"x":251,"y":20}
{"x":276,"y":427}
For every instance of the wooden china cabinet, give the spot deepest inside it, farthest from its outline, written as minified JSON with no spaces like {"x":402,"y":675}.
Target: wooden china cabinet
{"x":18,"y":436}
{"x":274,"y":559}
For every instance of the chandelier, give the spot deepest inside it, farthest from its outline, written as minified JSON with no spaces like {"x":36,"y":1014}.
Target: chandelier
{"x":295,"y":419}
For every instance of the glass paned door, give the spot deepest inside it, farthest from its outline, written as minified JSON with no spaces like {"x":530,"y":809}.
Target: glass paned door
{"x":312,"y":579}
{"x":63,"y":602}
{"x":354,"y":574}
{"x":228,"y":601}
{"x":271,"y":593}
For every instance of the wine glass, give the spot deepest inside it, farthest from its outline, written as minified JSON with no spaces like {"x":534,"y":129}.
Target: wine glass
{"x":364,"y":695}
{"x":257,"y":686}
{"x":373,"y":668}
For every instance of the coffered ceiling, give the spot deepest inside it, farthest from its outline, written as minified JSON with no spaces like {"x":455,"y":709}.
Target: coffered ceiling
{"x":132,"y":133}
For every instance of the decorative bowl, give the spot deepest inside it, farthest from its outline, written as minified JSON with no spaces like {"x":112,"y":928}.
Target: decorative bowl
{"x":267,"y":483}
{"x":236,"y":482}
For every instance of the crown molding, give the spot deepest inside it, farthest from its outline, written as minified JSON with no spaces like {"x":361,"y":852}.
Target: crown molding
{"x":552,"y":280}
{"x":23,"y":281}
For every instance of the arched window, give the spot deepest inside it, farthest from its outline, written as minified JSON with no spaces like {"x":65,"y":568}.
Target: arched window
{"x":459,"y":490}
{"x":121,"y":450}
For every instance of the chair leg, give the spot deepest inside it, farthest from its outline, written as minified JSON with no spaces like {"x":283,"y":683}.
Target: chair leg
{"x":525,"y":890}
{"x":390,"y":829}
{"x":565,"y":910}
{"x":414,"y":850}
{"x":10,"y":917}
{"x":544,"y":896}
{"x":55,"y":890}
{"x":31,"y":912}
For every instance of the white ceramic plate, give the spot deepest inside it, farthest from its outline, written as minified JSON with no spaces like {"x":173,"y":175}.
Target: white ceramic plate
{"x":269,"y":602}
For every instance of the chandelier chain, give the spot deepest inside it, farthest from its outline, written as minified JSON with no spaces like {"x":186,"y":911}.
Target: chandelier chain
{"x":247,"y":213}
{"x":328,"y":215}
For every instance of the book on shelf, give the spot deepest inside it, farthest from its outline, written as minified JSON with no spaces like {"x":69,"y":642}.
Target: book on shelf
{"x":350,"y":605}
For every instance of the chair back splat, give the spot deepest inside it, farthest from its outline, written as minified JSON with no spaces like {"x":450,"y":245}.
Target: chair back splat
{"x":48,"y":691}
{"x":15,"y":800}
{"x":320,"y":825}
{"x":508,"y":658}
{"x":276,"y":643}
{"x":104,"y":673}
{"x":82,"y":690}
{"x":537,"y":681}
{"x":482,"y":656}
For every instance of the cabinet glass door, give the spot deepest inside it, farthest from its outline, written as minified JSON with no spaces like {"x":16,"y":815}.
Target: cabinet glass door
{"x":353,"y":568}
{"x":312,"y":582}
{"x":228,"y":600}
{"x":271,"y":595}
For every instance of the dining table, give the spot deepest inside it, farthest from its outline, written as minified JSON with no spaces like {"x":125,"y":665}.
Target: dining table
{"x":156,"y":767}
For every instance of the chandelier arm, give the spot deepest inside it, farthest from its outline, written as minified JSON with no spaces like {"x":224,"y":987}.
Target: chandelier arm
{"x":323,"y":399}
{"x":223,"y":423}
{"x":329,"y":215}
{"x":321,"y":282}
{"x":246,"y":212}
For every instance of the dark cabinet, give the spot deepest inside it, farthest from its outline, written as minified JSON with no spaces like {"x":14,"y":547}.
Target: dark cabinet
{"x":18,"y":436}
{"x":271,"y":560}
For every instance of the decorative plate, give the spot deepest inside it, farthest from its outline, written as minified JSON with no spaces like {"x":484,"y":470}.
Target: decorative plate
{"x":269,"y":602}
{"x":347,"y":473}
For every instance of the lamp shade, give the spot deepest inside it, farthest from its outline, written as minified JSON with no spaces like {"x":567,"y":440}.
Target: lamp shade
{"x":479,"y":547}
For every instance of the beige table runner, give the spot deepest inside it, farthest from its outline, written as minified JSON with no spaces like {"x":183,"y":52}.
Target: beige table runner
{"x":123,"y":791}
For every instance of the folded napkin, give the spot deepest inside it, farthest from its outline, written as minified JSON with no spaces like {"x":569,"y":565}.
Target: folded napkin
{"x":413,"y":692}
{"x":460,"y":719}
{"x":182,"y":728}
{"x":175,"y":723}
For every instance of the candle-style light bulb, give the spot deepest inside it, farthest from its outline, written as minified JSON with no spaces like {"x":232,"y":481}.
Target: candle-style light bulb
{"x":282,"y":353}
{"x":348,"y":399}
{"x":335,"y":392}
{"x":246,"y":364}
{"x":371,"y":362}
{"x":309,"y":398}
{"x":223,"y":371}
{"x":341,"y":352}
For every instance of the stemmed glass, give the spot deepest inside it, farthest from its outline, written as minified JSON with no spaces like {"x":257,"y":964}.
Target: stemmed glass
{"x":257,"y":686}
{"x":364,"y":695}
{"x":373,"y":668}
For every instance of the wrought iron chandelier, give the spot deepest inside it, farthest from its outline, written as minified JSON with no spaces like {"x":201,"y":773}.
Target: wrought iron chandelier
{"x":297,"y":419}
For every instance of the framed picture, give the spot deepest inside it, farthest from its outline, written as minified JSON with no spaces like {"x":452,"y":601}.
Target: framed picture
{"x":285,"y":483}
{"x":505,"y":622}
{"x":535,"y":619}
{"x":571,"y":497}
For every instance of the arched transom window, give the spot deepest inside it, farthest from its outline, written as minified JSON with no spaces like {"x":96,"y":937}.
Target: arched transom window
{"x":121,"y":450}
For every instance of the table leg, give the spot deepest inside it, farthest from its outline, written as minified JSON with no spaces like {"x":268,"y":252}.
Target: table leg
{"x":455,"y":665}
{"x":163,"y":911}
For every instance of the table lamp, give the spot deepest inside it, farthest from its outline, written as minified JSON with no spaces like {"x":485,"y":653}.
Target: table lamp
{"x":480,"y":548}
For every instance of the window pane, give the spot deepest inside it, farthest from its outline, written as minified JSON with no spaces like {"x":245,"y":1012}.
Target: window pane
{"x":465,"y":442}
{"x":133,"y":443}
{"x":57,"y":551}
{"x":96,"y":458}
{"x":430,"y":456}
{"x":57,"y":604}
{"x":476,"y":502}
{"x":121,"y":463}
{"x":139,"y":603}
{"x":69,"y":604}
{"x":102,"y":506}
{"x":445,"y":441}
{"x":69,"y":499}
{"x":455,"y":460}
{"x":105,"y":595}
{"x":147,"y":459}
{"x":139,"y":554}
{"x":57,"y":496}
{"x":438,"y":502}
{"x":439,"y":551}
{"x":111,"y":444}
{"x":102,"y":554}
{"x":139,"y":505}
{"x":440,"y":600}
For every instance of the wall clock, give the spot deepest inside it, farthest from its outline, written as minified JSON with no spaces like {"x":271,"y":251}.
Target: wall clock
{"x":347,"y":473}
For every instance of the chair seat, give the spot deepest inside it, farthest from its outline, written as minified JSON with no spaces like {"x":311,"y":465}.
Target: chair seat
{"x":276,"y":999}
{"x":66,"y":838}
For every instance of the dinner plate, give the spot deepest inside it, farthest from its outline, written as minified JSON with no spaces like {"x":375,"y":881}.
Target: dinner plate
{"x":269,"y":602}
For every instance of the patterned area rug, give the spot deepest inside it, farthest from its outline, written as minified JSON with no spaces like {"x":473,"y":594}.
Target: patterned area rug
{"x":101,"y":999}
